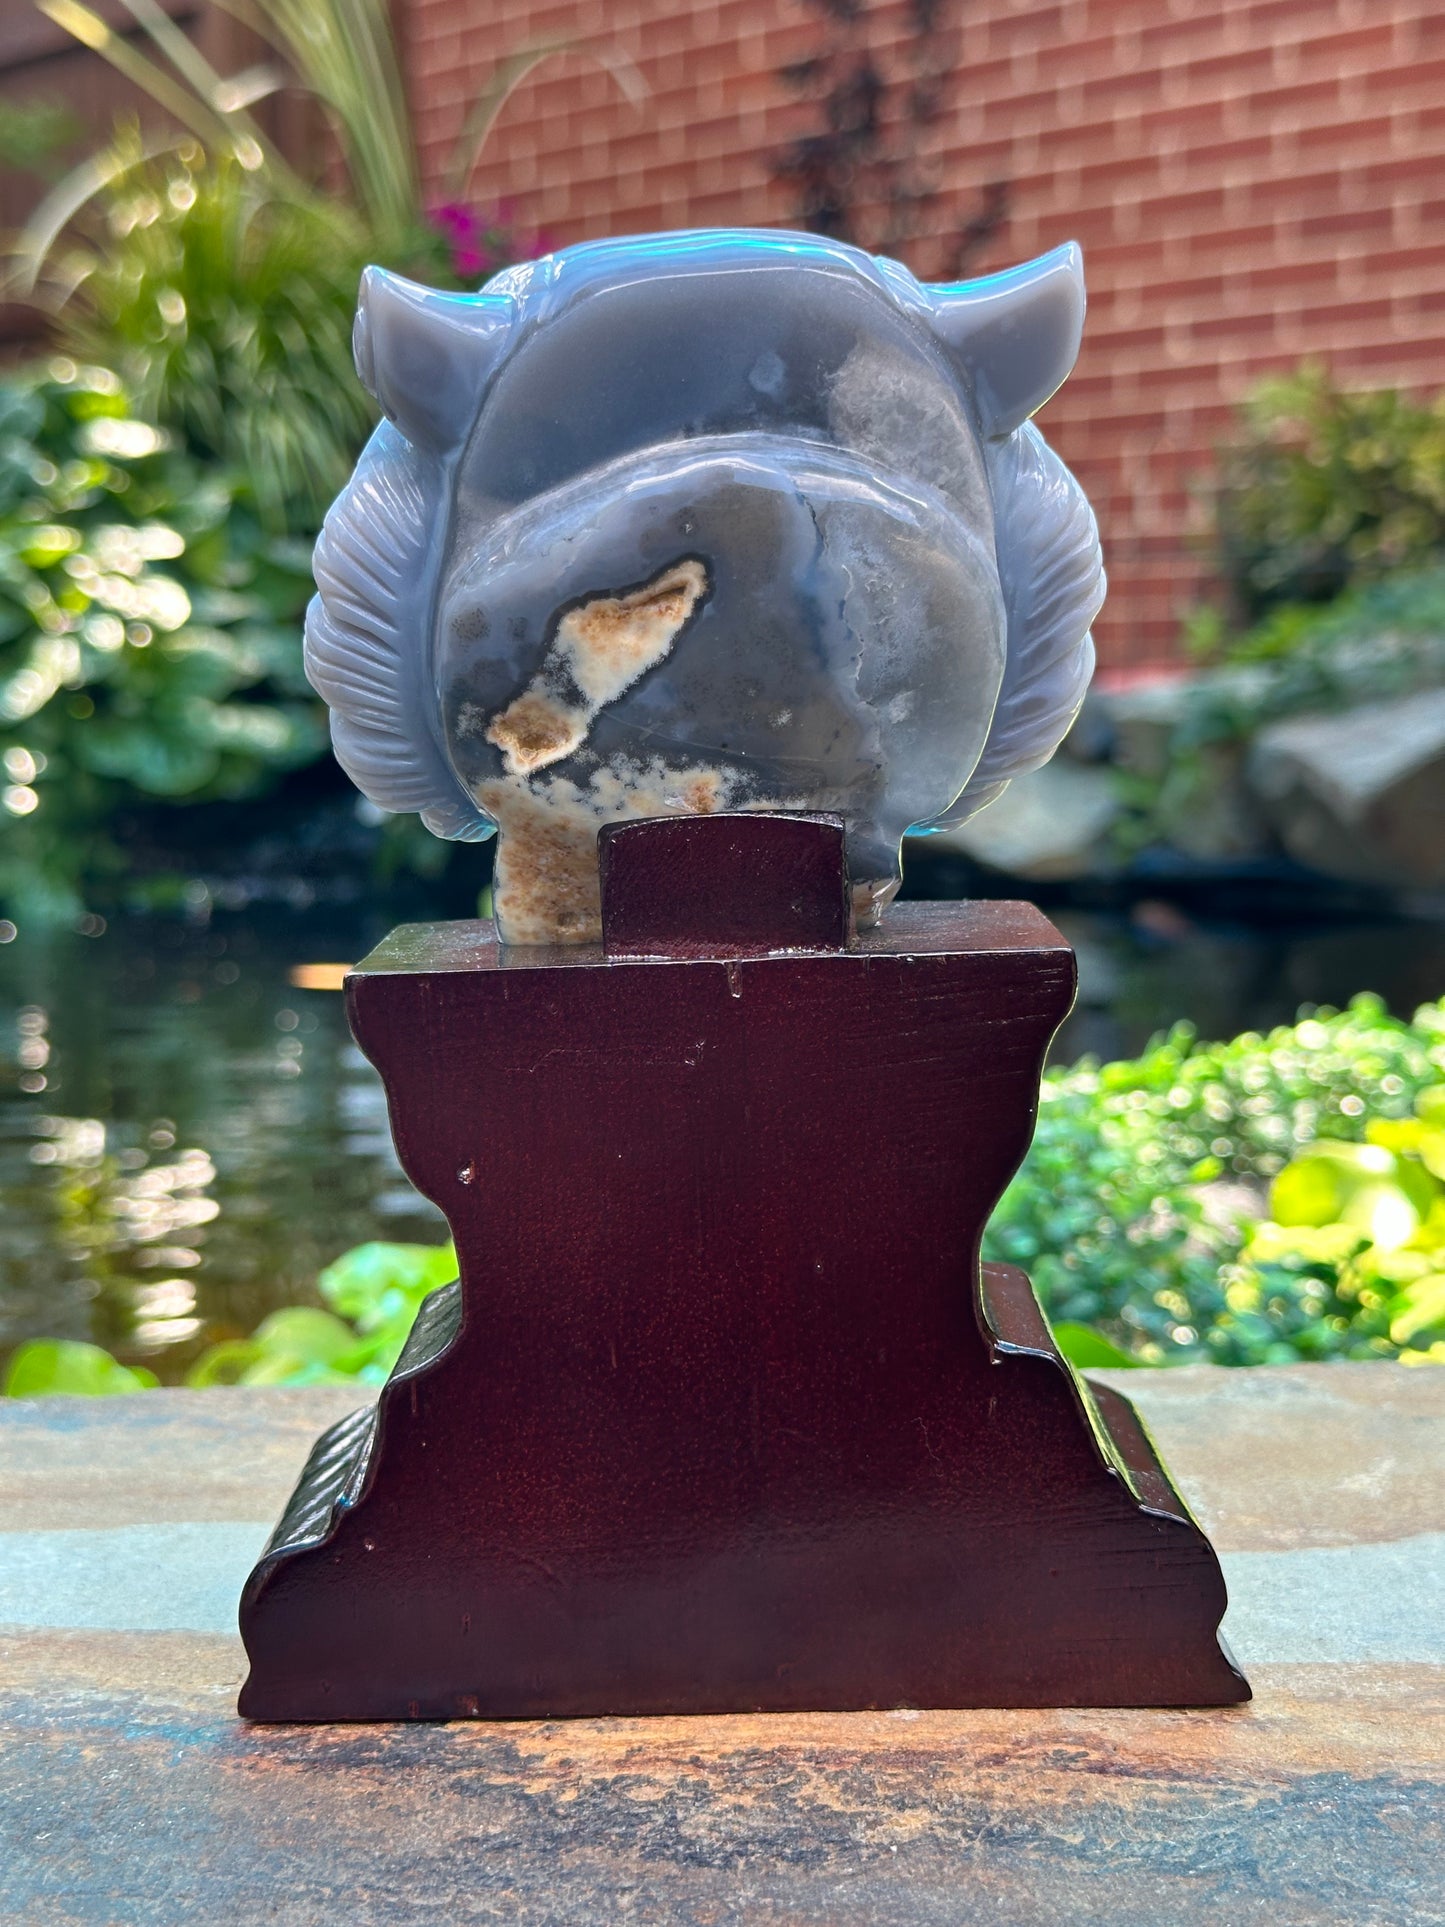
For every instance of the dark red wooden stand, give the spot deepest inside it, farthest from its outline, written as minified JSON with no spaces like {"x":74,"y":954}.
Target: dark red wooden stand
{"x":722,"y":1416}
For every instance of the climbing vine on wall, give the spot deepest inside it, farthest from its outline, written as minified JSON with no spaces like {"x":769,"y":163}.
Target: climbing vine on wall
{"x":869,"y":171}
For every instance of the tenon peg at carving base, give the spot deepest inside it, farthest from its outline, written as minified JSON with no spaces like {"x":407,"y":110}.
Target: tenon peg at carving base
{"x":723,"y":1415}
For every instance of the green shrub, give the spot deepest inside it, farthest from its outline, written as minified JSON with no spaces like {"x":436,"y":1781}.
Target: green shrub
{"x":1146,"y":1176}
{"x":226,"y":308}
{"x":1331,"y":642}
{"x":150,"y":642}
{"x":1325,"y":487}
{"x":1375,"y":642}
{"x":49,"y":1365}
{"x":1355,"y":1240}
{"x":374,"y":1294}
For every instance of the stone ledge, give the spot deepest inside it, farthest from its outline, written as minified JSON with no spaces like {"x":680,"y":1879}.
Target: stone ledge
{"x":130,"y":1792}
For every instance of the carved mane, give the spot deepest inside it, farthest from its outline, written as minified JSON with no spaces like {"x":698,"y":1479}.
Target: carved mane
{"x":1052,"y":571}
{"x":366,"y":650}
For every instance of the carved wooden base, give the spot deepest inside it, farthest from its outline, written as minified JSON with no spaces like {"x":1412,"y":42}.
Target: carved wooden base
{"x":723,"y":1416}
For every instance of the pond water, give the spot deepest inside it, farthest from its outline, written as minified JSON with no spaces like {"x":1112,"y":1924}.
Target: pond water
{"x":187,"y":1137}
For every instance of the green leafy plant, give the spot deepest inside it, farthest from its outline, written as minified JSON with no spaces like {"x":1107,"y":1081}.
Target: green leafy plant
{"x":149,"y":634}
{"x":227,"y":308}
{"x":1146,"y":1177}
{"x":49,"y":1365}
{"x":1361,"y":1227}
{"x":373,"y":1293}
{"x":371,"y":1296}
{"x":1377,"y":638}
{"x":342,"y":54}
{"x":1089,"y":1350}
{"x":1325,"y":487}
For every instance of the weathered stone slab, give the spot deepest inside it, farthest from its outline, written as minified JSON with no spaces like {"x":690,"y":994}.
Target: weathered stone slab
{"x":129,"y":1792}
{"x":1049,"y":824}
{"x":1360,"y":795}
{"x":1143,"y":718}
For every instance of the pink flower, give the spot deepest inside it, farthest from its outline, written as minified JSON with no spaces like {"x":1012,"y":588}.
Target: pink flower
{"x":453,"y":219}
{"x":480,"y":240}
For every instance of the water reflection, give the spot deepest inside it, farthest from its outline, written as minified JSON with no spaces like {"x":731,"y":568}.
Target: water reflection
{"x":1143,"y":968}
{"x":186,"y":1137}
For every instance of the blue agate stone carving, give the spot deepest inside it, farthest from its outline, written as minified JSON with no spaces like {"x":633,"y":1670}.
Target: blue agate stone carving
{"x":711,"y":521}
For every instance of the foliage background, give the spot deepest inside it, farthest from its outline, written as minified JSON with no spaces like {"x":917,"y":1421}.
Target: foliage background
{"x":1324,"y":487}
{"x":1139,"y":1208}
{"x":149,"y":634}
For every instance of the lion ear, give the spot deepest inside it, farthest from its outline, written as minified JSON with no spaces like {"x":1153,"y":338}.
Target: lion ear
{"x":1013,"y":336}
{"x":426,"y":356}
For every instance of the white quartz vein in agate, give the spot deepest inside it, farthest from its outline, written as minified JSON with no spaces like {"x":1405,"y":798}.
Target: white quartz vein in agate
{"x":725,"y":520}
{"x":597,"y":651}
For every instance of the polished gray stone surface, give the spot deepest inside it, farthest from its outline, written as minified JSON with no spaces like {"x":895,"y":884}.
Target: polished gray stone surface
{"x":683,"y":523}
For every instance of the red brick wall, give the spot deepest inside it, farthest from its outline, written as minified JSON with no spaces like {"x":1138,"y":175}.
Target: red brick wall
{"x":1253,"y":181}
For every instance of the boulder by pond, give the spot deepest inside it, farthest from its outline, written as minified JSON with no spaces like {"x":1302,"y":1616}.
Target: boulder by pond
{"x":1359,"y":795}
{"x":1238,"y":765}
{"x":1051,"y":824}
